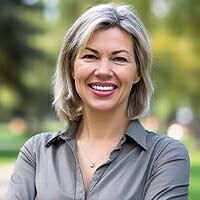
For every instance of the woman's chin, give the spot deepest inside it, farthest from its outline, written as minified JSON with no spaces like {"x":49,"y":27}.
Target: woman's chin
{"x":102,"y":107}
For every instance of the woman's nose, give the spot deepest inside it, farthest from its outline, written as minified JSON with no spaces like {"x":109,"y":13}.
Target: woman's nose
{"x":104,"y":69}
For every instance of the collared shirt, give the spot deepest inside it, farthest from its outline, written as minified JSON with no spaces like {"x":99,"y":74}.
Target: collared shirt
{"x":144,"y":166}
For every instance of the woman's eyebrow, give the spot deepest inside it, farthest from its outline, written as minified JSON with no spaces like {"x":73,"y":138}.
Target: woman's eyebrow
{"x":114,"y":52}
{"x":91,"y":49}
{"x":120,"y":51}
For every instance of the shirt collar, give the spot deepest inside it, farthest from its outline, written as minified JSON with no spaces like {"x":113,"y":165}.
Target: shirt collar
{"x":135,"y":131}
{"x":66,"y":134}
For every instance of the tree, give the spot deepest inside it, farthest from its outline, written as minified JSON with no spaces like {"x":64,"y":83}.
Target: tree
{"x":14,"y":49}
{"x":17,"y":27}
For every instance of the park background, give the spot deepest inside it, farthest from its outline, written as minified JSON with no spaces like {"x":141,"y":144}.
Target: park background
{"x":31,"y":33}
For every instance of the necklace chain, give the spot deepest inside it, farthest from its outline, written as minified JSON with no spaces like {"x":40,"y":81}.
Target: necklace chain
{"x":92,"y":164}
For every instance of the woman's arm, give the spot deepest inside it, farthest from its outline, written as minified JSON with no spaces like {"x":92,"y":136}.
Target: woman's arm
{"x":22,"y":182}
{"x":170,"y":175}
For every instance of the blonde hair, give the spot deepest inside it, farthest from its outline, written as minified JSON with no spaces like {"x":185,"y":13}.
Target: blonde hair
{"x":67,"y":102}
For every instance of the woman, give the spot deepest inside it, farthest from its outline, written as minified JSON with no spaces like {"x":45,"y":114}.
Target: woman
{"x":102,"y":87}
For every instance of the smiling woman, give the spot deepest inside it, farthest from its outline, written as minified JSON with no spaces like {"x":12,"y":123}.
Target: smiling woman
{"x":102,"y":88}
{"x":76,"y":39}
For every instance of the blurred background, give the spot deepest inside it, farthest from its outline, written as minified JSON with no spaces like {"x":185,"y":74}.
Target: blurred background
{"x":31,"y":33}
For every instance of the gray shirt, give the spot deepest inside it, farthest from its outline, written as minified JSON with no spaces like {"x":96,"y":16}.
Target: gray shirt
{"x":144,"y":166}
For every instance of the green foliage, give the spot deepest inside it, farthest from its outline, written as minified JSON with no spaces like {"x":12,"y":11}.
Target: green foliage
{"x":184,"y":17}
{"x":19,"y":56}
{"x":15,"y":50}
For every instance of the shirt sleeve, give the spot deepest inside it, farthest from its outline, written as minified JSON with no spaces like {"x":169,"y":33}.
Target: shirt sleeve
{"x":22,"y":181}
{"x":170,"y":175}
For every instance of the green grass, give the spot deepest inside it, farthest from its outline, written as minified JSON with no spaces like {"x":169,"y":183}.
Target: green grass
{"x":195,"y":175}
{"x":10,"y":145}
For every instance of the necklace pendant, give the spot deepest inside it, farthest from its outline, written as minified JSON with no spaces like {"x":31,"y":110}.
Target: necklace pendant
{"x":92,"y":165}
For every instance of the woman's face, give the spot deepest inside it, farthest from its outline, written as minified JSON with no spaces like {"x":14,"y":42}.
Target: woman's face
{"x":105,"y":70}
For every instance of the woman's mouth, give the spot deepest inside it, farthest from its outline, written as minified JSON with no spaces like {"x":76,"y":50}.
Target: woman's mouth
{"x":104,"y":89}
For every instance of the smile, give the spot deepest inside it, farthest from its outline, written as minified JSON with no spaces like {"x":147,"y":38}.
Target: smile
{"x":102,"y":88}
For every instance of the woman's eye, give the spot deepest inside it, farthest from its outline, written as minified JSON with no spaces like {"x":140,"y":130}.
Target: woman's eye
{"x":120,"y":59}
{"x":89,"y":57}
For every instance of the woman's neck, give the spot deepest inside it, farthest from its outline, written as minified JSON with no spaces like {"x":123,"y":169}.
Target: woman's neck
{"x":102,"y":126}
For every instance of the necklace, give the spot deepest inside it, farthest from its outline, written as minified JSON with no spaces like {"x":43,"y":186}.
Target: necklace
{"x":92,"y":163}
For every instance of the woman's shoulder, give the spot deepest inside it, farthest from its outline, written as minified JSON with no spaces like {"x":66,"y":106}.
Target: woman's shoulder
{"x":39,"y":140}
{"x":163,"y":145}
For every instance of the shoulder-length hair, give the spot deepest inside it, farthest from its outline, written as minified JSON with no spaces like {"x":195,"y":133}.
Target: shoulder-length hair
{"x":67,"y":102}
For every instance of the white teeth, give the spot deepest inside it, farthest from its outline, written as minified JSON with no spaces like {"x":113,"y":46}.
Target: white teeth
{"x":102,"y":88}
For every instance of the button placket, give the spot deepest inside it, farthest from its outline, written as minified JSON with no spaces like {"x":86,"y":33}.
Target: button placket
{"x":78,"y":179}
{"x":96,"y":178}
